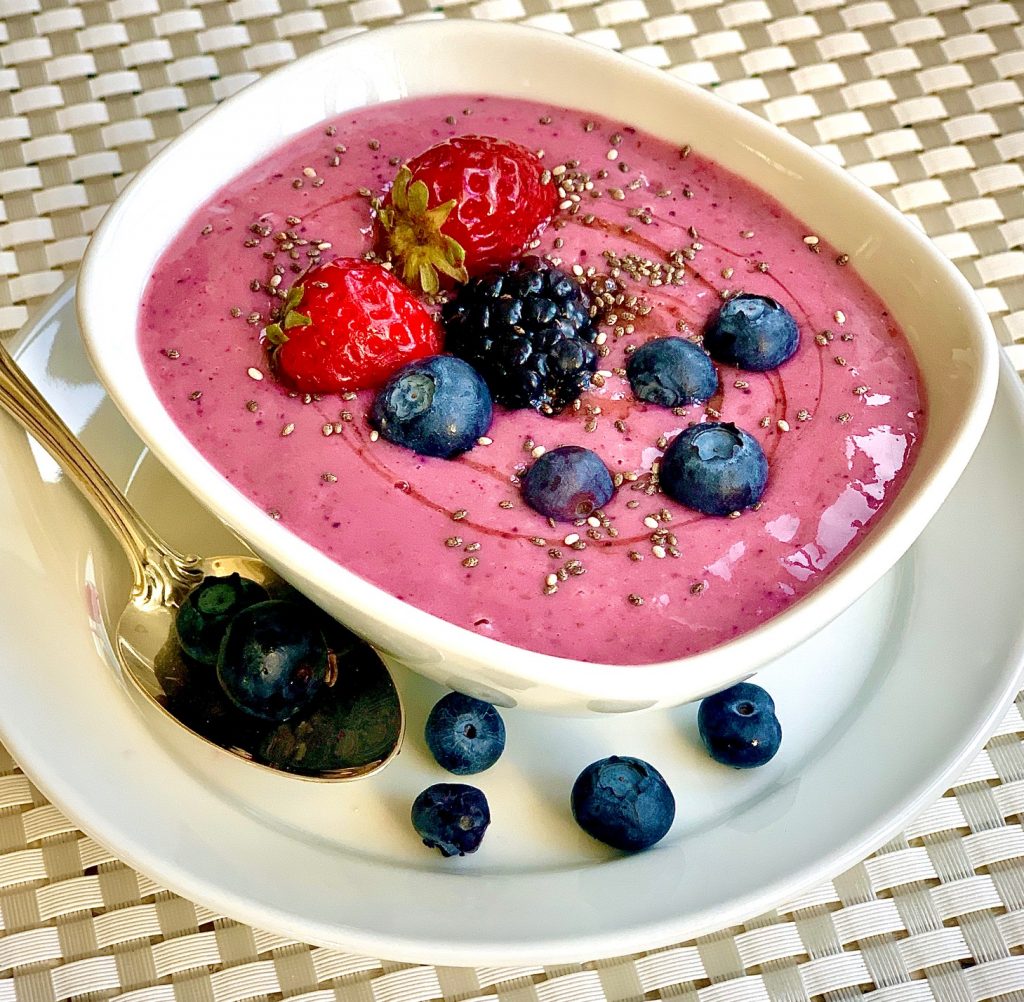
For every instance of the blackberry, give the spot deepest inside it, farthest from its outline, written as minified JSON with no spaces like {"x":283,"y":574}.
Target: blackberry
{"x":528,"y":331}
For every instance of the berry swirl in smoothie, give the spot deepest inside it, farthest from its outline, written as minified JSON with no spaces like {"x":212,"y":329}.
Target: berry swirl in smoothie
{"x":630,"y":258}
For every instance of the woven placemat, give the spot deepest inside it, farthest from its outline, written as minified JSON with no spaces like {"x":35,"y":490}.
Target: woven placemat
{"x":921,"y":99}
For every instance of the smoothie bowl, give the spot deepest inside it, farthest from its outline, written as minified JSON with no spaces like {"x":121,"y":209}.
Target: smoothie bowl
{"x":844,"y":371}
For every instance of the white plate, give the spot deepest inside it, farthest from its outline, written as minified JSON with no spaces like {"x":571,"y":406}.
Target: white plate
{"x":880,"y":711}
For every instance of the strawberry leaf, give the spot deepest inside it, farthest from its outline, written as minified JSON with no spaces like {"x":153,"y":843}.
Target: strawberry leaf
{"x":274,"y":334}
{"x":412,"y":235}
{"x":295,"y":319}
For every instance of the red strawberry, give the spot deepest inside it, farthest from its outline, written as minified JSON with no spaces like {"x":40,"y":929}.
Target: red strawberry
{"x":463,"y":206}
{"x":349,"y":326}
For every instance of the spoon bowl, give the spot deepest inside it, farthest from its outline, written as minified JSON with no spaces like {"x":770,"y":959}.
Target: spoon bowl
{"x":352,"y":729}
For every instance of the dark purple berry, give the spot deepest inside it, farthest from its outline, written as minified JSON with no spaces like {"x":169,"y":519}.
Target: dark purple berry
{"x":436,"y":406}
{"x":567,"y":483}
{"x":752,"y":332}
{"x":465,"y":735}
{"x":528,"y":331}
{"x":738,"y":726}
{"x":623,"y":802}
{"x":451,"y":817}
{"x":714,"y":468}
{"x":671,"y":372}
{"x":204,"y":615}
{"x":273,"y":660}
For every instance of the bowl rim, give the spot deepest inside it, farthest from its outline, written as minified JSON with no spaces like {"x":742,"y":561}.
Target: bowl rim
{"x":752,"y":649}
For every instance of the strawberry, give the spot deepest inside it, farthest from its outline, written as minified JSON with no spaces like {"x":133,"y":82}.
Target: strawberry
{"x":463,"y":206}
{"x":349,"y":326}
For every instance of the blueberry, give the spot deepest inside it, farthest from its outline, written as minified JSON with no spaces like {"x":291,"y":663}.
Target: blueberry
{"x":567,"y":483}
{"x":273,"y":660}
{"x":715,"y":468}
{"x":465,"y":735}
{"x":354,"y":723}
{"x":436,"y":406}
{"x":738,"y":726}
{"x":207,"y":610}
{"x":752,"y":332}
{"x":452,"y":817}
{"x":672,"y":372}
{"x":623,"y":802}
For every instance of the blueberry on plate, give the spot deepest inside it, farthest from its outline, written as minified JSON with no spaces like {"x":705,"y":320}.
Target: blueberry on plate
{"x":451,"y":817}
{"x":623,"y":802}
{"x":715,"y":468}
{"x":738,"y":726}
{"x":567,"y":483}
{"x":671,"y":372}
{"x":273,"y":660}
{"x":752,"y":332}
{"x":208,"y":608}
{"x":464,"y":734}
{"x":437,"y":406}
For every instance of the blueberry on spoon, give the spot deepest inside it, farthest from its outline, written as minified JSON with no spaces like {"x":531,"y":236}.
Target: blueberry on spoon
{"x":273,"y":660}
{"x":209,"y":607}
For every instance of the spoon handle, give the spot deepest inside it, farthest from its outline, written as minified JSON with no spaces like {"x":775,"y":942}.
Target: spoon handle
{"x":160,"y":574}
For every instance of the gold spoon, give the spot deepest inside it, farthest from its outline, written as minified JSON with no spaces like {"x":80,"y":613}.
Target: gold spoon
{"x":352,"y":730}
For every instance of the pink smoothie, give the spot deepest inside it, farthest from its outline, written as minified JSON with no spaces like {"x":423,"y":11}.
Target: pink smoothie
{"x":651,"y":580}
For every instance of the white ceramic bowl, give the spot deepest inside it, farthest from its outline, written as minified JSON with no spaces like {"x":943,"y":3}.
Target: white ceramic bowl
{"x":949,"y":332}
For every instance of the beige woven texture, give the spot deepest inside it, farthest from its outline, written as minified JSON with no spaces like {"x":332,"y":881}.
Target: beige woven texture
{"x":921,"y":99}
